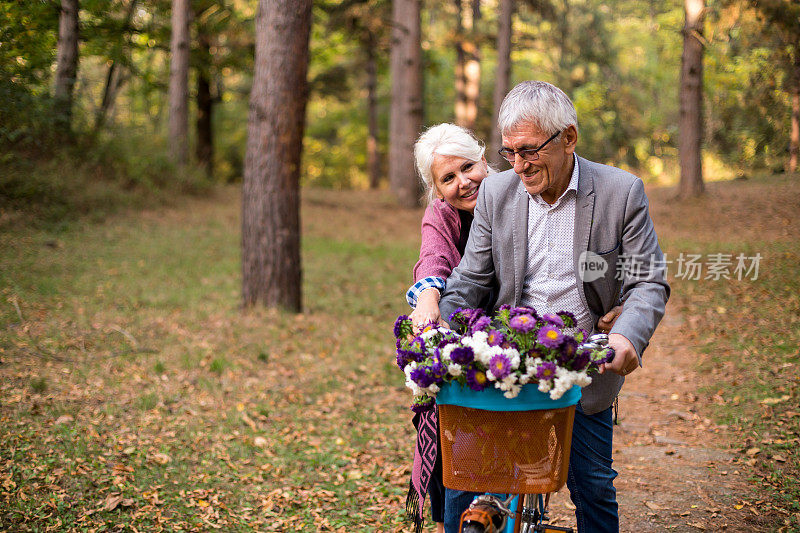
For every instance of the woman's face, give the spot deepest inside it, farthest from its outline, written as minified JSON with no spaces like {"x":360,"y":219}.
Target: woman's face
{"x":456,"y":180}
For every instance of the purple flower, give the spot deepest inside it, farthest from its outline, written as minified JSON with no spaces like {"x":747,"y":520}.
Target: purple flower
{"x":522,"y":323}
{"x":523,"y":311}
{"x":555,"y":320}
{"x":402,"y":359}
{"x":495,"y":338}
{"x":462,"y":355}
{"x":402,"y":326}
{"x":546,"y":371}
{"x":460,"y":318}
{"x":500,"y":366}
{"x":422,"y":377}
{"x":417,"y":344}
{"x":581,"y":359}
{"x":476,"y":379}
{"x":422,"y":404}
{"x":549,"y":336}
{"x":481,"y":323}
{"x":437,"y":370}
{"x":475,"y":314}
{"x":569,"y":319}
{"x":568,"y":348}
{"x":606,"y":355}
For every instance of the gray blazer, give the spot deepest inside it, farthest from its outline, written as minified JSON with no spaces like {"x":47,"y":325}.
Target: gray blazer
{"x":611,"y":220}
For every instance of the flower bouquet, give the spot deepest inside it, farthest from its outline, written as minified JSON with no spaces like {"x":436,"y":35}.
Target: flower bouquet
{"x":513,"y":348}
{"x":490,"y":439}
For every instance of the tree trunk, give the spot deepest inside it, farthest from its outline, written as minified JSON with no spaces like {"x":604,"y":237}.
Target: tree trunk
{"x":502,"y":79}
{"x":205,"y":104}
{"x":271,"y":271}
{"x":66,"y":64}
{"x":468,"y":66}
{"x":114,"y":77}
{"x":690,"y":127}
{"x":794,"y":135}
{"x":373,"y":148}
{"x":179,"y":82}
{"x":405,"y":120}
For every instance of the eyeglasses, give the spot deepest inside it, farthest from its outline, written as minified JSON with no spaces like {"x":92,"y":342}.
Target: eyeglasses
{"x":529,"y":154}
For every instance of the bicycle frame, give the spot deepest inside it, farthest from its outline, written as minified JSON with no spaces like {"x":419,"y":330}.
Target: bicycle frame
{"x":531,"y":518}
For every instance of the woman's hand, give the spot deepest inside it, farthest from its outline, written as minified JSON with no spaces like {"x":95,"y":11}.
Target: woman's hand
{"x":606,"y":321}
{"x":427,"y":310}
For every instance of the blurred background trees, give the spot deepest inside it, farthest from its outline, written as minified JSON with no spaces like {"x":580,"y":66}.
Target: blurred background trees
{"x":619,"y":60}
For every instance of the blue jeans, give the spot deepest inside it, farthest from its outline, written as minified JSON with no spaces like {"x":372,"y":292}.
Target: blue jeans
{"x":590,"y":479}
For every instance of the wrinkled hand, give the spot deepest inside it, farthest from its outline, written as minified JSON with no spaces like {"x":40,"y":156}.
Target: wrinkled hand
{"x":625,"y":360}
{"x":427,"y":310}
{"x":606,"y":321}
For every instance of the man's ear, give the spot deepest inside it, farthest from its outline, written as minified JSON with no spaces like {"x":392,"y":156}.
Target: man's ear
{"x":570,"y":138}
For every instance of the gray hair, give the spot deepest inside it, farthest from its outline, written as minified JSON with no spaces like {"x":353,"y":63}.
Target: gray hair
{"x":444,"y":139}
{"x":538,"y":102}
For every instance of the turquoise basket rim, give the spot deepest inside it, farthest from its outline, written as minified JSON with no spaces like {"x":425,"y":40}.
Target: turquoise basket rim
{"x":492,"y":399}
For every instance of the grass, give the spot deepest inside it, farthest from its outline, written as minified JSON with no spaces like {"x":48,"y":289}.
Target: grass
{"x":136,"y":392}
{"x":175,"y":402}
{"x":747,"y":333}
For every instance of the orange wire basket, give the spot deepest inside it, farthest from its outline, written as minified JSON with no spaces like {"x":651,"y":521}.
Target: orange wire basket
{"x":519,"y":452}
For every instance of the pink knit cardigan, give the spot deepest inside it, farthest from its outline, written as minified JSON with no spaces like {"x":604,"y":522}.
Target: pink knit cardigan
{"x":438,"y":252}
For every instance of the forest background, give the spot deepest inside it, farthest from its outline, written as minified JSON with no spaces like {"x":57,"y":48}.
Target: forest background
{"x":619,"y":61}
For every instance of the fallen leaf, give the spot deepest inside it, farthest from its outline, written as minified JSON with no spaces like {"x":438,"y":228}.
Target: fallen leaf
{"x":63,"y":419}
{"x":773,"y":401}
{"x":752,"y":452}
{"x":112,"y":501}
{"x":249,"y":421}
{"x":778,"y":457}
{"x":160,"y":458}
{"x":260,"y":441}
{"x":653,"y":506}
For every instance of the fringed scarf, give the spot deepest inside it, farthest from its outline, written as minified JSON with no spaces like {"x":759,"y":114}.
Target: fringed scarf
{"x":424,"y":460}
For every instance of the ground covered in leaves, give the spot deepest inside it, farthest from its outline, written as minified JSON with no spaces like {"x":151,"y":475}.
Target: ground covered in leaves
{"x":136,"y":395}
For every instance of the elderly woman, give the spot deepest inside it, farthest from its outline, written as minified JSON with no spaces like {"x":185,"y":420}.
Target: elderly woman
{"x":451,"y":164}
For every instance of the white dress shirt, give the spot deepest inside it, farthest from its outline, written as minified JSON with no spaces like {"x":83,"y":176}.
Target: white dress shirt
{"x":551,"y":284}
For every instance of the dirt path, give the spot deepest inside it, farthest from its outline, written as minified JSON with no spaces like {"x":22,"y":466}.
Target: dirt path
{"x":673,"y":472}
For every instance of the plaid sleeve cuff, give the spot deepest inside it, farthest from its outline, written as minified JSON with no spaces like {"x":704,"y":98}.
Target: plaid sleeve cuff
{"x":431,"y":282}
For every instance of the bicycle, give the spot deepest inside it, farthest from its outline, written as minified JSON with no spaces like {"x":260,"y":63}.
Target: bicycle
{"x":511,"y":449}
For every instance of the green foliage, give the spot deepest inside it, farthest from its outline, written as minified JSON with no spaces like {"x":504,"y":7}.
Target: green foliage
{"x":39,"y":384}
{"x":92,"y":179}
{"x":620,"y":64}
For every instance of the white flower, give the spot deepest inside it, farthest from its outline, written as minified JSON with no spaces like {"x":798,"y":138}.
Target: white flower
{"x":454,"y":370}
{"x":445,"y":352}
{"x":429,"y":333}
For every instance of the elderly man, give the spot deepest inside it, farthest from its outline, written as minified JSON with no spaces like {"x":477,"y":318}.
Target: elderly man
{"x":557,"y":233}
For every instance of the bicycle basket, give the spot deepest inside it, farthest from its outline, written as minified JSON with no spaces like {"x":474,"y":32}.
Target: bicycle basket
{"x":519,"y":451}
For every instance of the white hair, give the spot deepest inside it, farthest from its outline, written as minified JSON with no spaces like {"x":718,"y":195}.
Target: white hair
{"x":540,"y":103}
{"x":444,"y":139}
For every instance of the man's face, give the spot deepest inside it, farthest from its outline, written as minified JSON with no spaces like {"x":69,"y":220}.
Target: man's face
{"x":550,"y":173}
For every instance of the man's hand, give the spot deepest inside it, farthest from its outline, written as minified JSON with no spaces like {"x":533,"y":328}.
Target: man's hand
{"x":606,"y":321}
{"x":427,"y":309}
{"x":625,"y":359}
